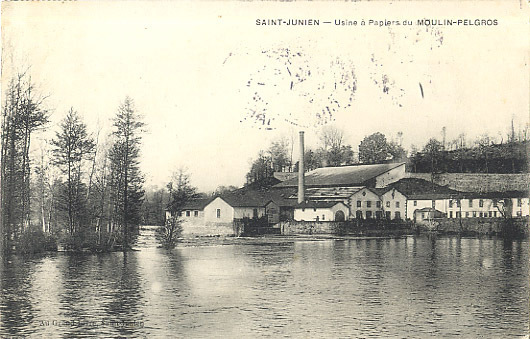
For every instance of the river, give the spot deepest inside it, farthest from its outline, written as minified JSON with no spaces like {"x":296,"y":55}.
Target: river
{"x":412,"y":287}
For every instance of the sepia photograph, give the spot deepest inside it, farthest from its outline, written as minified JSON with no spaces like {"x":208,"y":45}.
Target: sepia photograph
{"x":248,"y":169}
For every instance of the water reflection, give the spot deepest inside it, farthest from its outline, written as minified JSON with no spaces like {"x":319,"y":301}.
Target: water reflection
{"x":412,"y":287}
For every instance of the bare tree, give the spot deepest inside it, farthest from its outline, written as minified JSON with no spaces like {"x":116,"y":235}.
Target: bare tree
{"x":22,"y":114}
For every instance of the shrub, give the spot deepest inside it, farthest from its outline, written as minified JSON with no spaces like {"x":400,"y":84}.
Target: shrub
{"x":36,"y":241}
{"x":169,"y":234}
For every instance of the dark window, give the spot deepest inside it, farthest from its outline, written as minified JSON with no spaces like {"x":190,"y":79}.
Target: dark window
{"x":490,"y":214}
{"x":415,"y":203}
{"x":481,"y":203}
{"x":323,"y":217}
{"x":378,"y":204}
{"x":474,"y":214}
{"x":359,"y":214}
{"x":519,"y":202}
{"x":196,"y":213}
{"x":188,"y":213}
{"x":467,"y":214}
{"x":397,"y":204}
{"x":368,"y":214}
{"x":470,"y":202}
{"x":494,"y":203}
{"x":378,"y":214}
{"x":388,"y":204}
{"x":450,"y":214}
{"x":255,"y":213}
{"x":422,"y":215}
{"x":450,"y":203}
{"x":495,"y":214}
{"x":358,"y":203}
{"x":398,"y":215}
{"x":179,"y":213}
{"x":388,"y":216}
{"x":218,"y":213}
{"x":368,"y":204}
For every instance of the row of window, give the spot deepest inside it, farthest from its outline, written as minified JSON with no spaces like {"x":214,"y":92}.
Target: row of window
{"x":378,"y":215}
{"x":377,"y":204}
{"x":188,"y":213}
{"x":217,"y":213}
{"x":470,"y":203}
{"x":474,"y":214}
{"x":481,"y":203}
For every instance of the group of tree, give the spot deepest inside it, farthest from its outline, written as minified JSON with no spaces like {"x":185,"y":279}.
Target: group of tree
{"x":484,"y":155}
{"x":332,"y":150}
{"x":80,"y":192}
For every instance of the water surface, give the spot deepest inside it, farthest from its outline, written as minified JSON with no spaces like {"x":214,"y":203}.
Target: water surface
{"x":414,"y":287}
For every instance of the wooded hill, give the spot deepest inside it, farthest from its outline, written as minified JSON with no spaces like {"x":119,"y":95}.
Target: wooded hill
{"x":509,"y":157}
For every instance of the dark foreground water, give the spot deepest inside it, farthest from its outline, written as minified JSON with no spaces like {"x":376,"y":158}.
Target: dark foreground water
{"x":411,"y":287}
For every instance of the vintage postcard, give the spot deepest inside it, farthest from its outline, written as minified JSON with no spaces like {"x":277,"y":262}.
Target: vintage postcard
{"x":264,"y":169}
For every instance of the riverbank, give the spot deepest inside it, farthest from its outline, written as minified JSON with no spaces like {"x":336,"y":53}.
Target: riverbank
{"x":510,"y":228}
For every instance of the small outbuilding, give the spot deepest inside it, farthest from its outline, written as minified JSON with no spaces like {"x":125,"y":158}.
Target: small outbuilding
{"x":423,"y":215}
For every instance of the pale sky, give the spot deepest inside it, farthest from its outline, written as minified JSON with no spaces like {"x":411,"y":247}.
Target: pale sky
{"x":187,"y":67}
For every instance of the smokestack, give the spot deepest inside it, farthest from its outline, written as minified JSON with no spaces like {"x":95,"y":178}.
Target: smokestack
{"x":301,"y":179}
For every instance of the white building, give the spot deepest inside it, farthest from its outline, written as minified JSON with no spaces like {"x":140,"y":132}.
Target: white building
{"x":321,"y":211}
{"x":366,"y":204}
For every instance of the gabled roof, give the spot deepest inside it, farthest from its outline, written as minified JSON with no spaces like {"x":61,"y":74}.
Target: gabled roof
{"x":318,"y":204}
{"x":376,"y":191}
{"x":245,"y":197}
{"x":356,"y":175}
{"x":196,"y":204}
{"x":436,"y":213}
{"x":419,"y":189}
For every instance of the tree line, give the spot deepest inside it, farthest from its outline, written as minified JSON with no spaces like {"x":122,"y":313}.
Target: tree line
{"x":79,"y":193}
{"x":332,"y":150}
{"x":486,"y":154}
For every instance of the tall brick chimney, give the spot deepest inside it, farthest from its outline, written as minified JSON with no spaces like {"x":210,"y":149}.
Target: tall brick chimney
{"x":301,"y":179}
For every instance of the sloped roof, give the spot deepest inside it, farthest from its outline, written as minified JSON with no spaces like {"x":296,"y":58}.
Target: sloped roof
{"x":479,"y":182}
{"x":356,"y":175}
{"x":196,"y":204}
{"x":376,"y":191}
{"x":420,"y":189}
{"x":493,"y":195}
{"x":436,"y":213}
{"x":245,"y":197}
{"x":318,"y":204}
{"x":338,"y":193}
